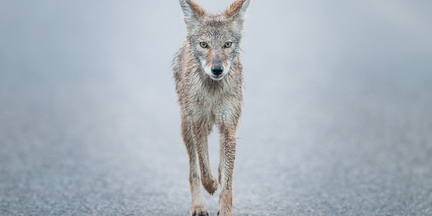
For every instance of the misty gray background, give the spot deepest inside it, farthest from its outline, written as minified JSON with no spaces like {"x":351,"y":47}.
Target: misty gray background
{"x":337,"y":109}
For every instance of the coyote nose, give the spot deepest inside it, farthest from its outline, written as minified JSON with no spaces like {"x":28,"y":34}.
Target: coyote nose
{"x":217,"y":70}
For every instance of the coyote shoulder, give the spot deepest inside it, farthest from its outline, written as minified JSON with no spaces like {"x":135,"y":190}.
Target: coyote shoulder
{"x":208,"y":77}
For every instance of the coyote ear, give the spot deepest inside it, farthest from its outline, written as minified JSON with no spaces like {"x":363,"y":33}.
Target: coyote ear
{"x":192,"y":12}
{"x":237,"y":10}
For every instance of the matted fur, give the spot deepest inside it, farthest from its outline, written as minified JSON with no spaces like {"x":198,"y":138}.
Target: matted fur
{"x":207,"y":99}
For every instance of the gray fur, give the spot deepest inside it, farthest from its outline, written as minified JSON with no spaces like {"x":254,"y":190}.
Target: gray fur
{"x":206,"y":99}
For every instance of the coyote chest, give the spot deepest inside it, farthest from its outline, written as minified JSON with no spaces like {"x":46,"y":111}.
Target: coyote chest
{"x":212,"y":104}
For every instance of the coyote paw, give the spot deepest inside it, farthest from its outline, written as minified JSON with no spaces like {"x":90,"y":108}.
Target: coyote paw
{"x":199,"y":211}
{"x":210,"y":185}
{"x":228,"y":213}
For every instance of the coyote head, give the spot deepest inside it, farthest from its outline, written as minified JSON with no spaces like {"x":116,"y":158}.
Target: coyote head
{"x":214,"y":39}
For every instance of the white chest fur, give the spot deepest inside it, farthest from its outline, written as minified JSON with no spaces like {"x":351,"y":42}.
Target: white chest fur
{"x":212,"y":104}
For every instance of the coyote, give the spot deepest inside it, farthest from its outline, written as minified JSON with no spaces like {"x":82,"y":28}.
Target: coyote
{"x":208,"y":77}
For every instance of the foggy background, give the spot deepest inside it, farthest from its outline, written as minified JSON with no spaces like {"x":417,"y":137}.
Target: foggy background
{"x":337,"y":116}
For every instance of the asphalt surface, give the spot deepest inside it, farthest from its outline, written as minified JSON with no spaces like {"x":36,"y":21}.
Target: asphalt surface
{"x":337,"y":109}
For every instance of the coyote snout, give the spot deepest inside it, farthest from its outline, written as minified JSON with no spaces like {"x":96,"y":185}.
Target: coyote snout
{"x":208,"y":77}
{"x":216,"y":60}
{"x":217,"y":70}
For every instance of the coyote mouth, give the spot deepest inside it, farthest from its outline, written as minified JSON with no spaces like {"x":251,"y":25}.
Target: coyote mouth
{"x":216,"y":78}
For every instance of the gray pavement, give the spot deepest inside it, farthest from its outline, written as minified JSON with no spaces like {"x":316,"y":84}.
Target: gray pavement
{"x":337,"y":109}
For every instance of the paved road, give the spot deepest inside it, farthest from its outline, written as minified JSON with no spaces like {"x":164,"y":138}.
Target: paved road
{"x":337,"y":112}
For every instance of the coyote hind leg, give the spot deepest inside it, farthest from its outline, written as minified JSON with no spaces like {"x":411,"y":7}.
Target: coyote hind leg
{"x":194,"y":178}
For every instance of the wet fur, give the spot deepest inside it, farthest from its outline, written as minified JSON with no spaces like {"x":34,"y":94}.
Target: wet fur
{"x":205,"y":102}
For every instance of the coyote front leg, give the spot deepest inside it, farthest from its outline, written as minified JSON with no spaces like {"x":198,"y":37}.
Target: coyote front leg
{"x":227,"y":153}
{"x":194,"y":178}
{"x":200,"y":132}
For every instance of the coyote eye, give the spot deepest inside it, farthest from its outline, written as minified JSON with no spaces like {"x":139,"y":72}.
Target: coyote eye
{"x":203,"y":44}
{"x":228,"y":44}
